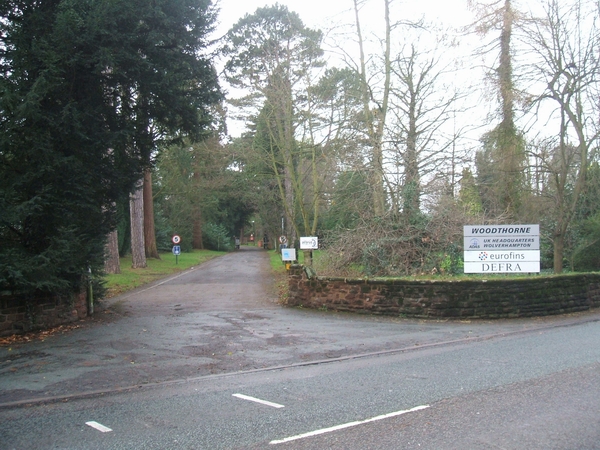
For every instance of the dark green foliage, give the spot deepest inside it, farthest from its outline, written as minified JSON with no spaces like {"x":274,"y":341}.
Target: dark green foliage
{"x":501,"y":171}
{"x":269,"y":55}
{"x":585,"y":233}
{"x":81,"y":81}
{"x":350,"y":201}
{"x":164,"y":233}
{"x":586,"y":256}
{"x":469,"y":196}
{"x":124,"y":226}
{"x":197,"y":183}
{"x":546,"y":244}
{"x":270,"y":46}
{"x":581,"y":249}
{"x":217,"y":237}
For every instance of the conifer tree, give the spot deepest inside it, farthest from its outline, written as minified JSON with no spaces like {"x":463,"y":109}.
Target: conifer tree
{"x":72,"y":72}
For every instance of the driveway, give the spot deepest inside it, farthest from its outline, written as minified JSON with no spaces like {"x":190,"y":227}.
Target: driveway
{"x":220,"y":317}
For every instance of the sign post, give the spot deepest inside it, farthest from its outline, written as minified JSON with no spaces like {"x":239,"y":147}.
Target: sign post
{"x":288,"y":255}
{"x":502,"y":248}
{"x":282,"y":243}
{"x":309,"y":243}
{"x":176,"y":248}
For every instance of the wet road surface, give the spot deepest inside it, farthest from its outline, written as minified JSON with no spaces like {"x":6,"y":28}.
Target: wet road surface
{"x":218,"y":318}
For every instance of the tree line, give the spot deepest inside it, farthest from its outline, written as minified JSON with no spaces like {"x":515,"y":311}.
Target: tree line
{"x":114,"y":136}
{"x":371,"y":153}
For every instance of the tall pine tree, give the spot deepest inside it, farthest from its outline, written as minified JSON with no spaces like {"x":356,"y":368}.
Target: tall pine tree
{"x":72,"y":72}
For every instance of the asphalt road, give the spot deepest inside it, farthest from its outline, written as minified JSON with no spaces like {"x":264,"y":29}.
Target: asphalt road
{"x":209,"y":360}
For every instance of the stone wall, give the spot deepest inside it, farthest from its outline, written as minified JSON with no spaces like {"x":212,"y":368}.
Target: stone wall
{"x":18,"y":315}
{"x":465,"y":299}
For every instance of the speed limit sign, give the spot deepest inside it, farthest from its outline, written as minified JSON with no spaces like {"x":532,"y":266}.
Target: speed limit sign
{"x":176,"y":239}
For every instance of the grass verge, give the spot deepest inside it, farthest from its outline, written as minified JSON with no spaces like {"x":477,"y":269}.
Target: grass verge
{"x":280,"y":275}
{"x":157,"y":268}
{"x":278,"y":265}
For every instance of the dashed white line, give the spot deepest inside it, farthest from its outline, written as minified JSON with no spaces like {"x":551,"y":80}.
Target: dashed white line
{"x":257,"y":400}
{"x":98,"y":426}
{"x":348,"y":425}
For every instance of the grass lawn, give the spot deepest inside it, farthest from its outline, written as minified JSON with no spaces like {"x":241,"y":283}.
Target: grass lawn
{"x":157,"y":268}
{"x":276,"y":264}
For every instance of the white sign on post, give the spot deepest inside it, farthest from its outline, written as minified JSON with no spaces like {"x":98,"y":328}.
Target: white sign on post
{"x":288,"y":254}
{"x":309,"y":243}
{"x":501,"y":248}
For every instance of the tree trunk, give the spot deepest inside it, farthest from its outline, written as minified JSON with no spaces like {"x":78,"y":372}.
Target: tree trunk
{"x":512,"y":158}
{"x":412,"y":184}
{"x":559,"y":245}
{"x":197,"y":230}
{"x":112,"y":264}
{"x":197,"y":241}
{"x":136,"y":211}
{"x":290,"y":219}
{"x":149,"y":231}
{"x":375,"y":121}
{"x":308,"y":257}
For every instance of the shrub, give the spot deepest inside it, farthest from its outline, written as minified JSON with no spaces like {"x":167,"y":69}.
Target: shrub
{"x":216,"y":237}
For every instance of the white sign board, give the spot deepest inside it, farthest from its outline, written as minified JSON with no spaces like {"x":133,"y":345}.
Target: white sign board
{"x":502,"y":267}
{"x":502,"y":256}
{"x":506,"y":237}
{"x":288,"y":254}
{"x":501,"y":248}
{"x":309,"y":243}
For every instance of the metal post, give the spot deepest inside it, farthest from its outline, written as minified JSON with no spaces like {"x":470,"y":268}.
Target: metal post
{"x":90,"y":297}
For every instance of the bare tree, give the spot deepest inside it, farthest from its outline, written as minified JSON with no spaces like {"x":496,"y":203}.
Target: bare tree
{"x":422,"y":134}
{"x":375,"y":110}
{"x":565,"y":44}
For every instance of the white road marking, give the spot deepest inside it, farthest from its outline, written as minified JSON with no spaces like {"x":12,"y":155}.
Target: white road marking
{"x":98,"y":426}
{"x":257,"y":400}
{"x":348,"y":425}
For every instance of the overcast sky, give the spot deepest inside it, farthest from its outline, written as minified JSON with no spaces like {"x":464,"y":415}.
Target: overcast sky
{"x":330,"y":16}
{"x":323,"y":13}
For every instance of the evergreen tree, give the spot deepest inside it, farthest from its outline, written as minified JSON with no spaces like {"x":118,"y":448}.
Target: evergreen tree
{"x":269,"y":54}
{"x":74,"y":134}
{"x":350,"y":201}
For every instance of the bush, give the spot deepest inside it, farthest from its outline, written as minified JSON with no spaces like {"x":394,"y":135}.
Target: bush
{"x":399,"y":245}
{"x":216,"y":237}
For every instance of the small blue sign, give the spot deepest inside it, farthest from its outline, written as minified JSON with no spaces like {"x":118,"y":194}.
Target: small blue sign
{"x":177,"y":250}
{"x":288,"y":254}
